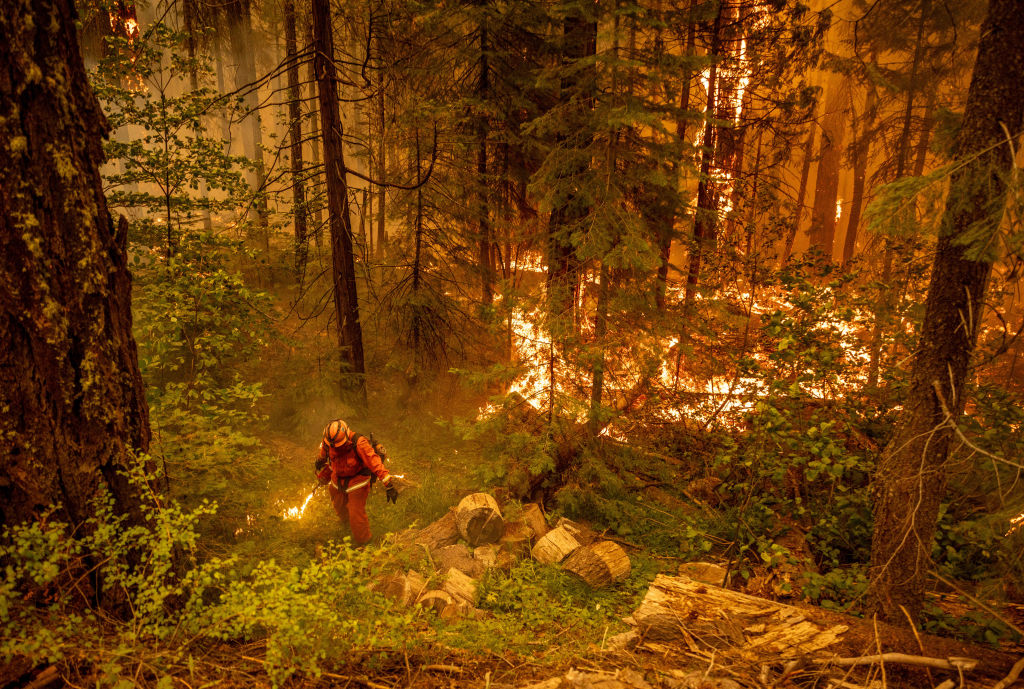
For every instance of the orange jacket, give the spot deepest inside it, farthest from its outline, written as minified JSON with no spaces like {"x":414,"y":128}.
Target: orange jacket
{"x":349,"y":460}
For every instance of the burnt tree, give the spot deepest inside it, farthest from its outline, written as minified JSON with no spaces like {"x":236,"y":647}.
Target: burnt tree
{"x":73,"y":409}
{"x":910,"y":481}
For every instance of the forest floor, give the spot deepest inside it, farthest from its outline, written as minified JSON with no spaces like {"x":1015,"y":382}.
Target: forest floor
{"x":568,"y":647}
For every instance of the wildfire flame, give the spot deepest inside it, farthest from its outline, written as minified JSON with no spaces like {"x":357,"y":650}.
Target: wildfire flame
{"x":1016,"y":523}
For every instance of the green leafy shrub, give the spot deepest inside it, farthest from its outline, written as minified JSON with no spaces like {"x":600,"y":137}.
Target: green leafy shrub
{"x":140,"y":600}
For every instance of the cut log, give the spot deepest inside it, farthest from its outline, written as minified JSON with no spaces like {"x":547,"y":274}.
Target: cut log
{"x":555,"y":546}
{"x":405,"y":588}
{"x":706,"y":572}
{"x":479,"y":519}
{"x":599,"y":564}
{"x":516,"y":539}
{"x":460,"y":587}
{"x":457,"y":556}
{"x":678,"y":608}
{"x":444,"y":531}
{"x":583,"y":534}
{"x":493,"y":556}
{"x":435,"y":600}
{"x":533,"y":517}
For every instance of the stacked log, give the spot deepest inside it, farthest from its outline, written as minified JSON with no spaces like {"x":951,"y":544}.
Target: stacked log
{"x":460,"y":587}
{"x":598,"y":564}
{"x":479,"y":520}
{"x":583,"y":534}
{"x":438,"y":534}
{"x":533,"y":517}
{"x":459,"y":557}
{"x":405,"y":588}
{"x":493,"y":542}
{"x":555,"y":546}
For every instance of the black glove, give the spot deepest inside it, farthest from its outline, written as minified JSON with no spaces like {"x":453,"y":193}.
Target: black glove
{"x":391,"y":492}
{"x":320,"y":463}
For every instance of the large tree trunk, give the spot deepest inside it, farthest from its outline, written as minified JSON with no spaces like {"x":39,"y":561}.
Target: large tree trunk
{"x":244,"y":49}
{"x":861,"y":149}
{"x":826,"y":186}
{"x":705,"y":219}
{"x":666,"y":232}
{"x":910,"y":481}
{"x":189,"y":11}
{"x":382,"y":166}
{"x":343,"y":273}
{"x":801,"y":192}
{"x":580,"y":41}
{"x":295,"y":135}
{"x":483,"y":214}
{"x":74,"y":409}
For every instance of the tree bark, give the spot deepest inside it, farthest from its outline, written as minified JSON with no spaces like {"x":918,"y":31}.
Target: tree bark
{"x":580,"y":41}
{"x":295,"y":134}
{"x":801,"y":192}
{"x":826,"y":186}
{"x":245,"y":61}
{"x":910,"y":481}
{"x":705,"y":219}
{"x":343,"y":274}
{"x":74,"y":411}
{"x":861,"y":150}
{"x":667,"y":232}
{"x":382,"y":167}
{"x":483,"y":215}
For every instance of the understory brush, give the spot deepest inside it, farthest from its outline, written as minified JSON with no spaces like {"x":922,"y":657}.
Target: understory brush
{"x":118,"y":604}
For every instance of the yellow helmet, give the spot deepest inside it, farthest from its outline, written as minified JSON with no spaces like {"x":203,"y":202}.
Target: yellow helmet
{"x":336,"y":434}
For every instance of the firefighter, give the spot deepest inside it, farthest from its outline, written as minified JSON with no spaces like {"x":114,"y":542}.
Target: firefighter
{"x":349,"y":464}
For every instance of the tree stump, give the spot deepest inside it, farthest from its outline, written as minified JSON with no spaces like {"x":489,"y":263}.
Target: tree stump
{"x":533,"y":517}
{"x":599,"y":564}
{"x":479,"y":519}
{"x":460,"y":587}
{"x":556,"y":545}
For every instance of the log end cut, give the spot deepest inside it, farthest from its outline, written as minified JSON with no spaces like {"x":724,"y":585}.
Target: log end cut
{"x":479,"y":519}
{"x":599,"y":564}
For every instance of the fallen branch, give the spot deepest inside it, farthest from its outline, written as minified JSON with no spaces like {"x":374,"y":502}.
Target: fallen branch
{"x":904,"y":659}
{"x":442,"y":668}
{"x":361,"y":680}
{"x":1010,"y":678}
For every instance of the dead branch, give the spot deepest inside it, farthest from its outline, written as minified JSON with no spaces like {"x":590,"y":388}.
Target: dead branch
{"x":904,"y":659}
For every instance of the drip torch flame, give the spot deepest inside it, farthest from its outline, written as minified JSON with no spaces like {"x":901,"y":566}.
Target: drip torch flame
{"x":297,"y":512}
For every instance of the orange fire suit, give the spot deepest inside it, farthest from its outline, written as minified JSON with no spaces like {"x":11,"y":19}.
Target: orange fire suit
{"x":348,"y":474}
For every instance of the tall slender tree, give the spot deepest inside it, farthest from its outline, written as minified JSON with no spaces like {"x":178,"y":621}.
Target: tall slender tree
{"x":343,"y":273}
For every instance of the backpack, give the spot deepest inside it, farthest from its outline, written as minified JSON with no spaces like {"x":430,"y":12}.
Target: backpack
{"x":377,"y":447}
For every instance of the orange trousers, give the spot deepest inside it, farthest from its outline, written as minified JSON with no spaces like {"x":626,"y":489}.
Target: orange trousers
{"x":351,"y":509}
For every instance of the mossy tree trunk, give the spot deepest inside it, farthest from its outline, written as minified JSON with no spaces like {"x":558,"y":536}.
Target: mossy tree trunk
{"x":911,"y":477}
{"x":72,"y":408}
